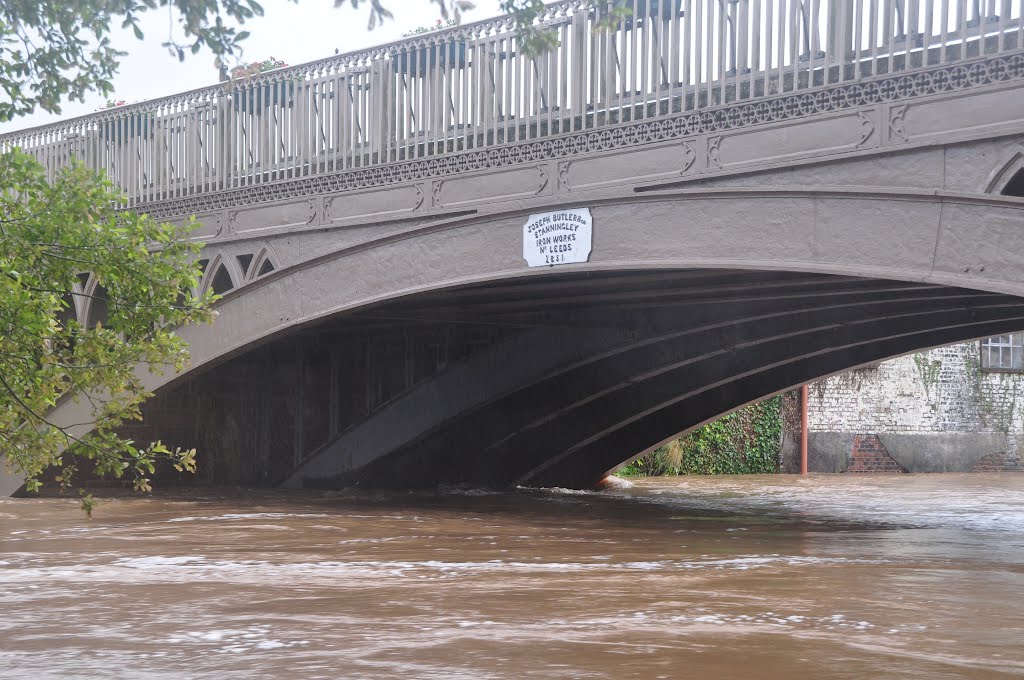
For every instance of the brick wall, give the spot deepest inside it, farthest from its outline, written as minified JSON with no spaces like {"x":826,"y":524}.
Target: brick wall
{"x":869,"y":455}
{"x":936,"y":393}
{"x":941,"y":390}
{"x":999,"y":462}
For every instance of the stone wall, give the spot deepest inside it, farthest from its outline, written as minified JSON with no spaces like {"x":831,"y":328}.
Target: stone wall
{"x":935,"y":411}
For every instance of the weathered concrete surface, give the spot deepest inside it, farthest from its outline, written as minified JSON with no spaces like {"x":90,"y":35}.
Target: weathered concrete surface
{"x":828,"y":451}
{"x":9,"y":483}
{"x":931,"y":452}
{"x":941,"y":452}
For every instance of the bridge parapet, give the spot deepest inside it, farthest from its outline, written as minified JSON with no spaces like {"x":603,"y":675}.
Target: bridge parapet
{"x":469,"y":98}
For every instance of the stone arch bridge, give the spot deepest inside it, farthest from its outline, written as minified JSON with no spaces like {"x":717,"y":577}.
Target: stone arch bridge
{"x":779,"y":190}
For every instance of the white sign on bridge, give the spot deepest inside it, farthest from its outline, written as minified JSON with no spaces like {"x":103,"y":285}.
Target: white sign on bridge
{"x":559,"y":237}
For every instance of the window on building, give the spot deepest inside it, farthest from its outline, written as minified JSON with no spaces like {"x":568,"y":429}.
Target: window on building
{"x":1003,"y":352}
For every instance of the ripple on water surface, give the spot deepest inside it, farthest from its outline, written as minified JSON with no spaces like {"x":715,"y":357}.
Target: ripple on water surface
{"x":767,"y":577}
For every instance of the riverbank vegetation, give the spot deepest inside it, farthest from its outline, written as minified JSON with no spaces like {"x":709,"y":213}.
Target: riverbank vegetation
{"x":88,"y":294}
{"x":746,"y":441}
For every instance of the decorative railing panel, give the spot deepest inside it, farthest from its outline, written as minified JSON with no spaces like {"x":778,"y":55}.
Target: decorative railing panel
{"x":473,"y":88}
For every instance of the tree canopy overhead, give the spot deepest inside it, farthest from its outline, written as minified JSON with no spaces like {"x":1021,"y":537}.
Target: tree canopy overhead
{"x":52,"y":51}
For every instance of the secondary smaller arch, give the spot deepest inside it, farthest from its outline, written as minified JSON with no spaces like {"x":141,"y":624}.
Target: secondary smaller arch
{"x":1008,"y":178}
{"x":220,"y":275}
{"x":266,"y":261}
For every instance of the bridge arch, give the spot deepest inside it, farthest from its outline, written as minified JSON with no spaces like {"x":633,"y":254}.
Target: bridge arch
{"x":265,"y":262}
{"x":76,"y":301}
{"x":221,"y":276}
{"x":768,"y":288}
{"x":377,"y":222}
{"x":93,"y":304}
{"x":234,"y":265}
{"x":1008,"y":178}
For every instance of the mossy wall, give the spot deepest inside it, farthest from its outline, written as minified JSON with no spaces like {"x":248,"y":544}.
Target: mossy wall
{"x":746,"y":441}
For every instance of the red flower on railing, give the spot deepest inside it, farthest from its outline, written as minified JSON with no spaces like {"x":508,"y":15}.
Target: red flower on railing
{"x":256,"y":67}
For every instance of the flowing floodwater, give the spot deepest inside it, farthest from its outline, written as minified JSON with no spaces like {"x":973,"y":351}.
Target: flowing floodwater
{"x":907,"y":576}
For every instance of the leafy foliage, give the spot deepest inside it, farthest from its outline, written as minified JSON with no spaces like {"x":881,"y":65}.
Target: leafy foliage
{"x":53,"y":51}
{"x":439,"y":26}
{"x":449,"y":9}
{"x":743,"y":442}
{"x":535,"y":39}
{"x":52,"y":236}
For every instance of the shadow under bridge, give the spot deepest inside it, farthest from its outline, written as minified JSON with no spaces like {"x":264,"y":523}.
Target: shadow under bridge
{"x":555,"y":379}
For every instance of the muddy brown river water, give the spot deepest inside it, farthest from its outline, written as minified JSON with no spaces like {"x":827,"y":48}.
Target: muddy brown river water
{"x":907,"y":576}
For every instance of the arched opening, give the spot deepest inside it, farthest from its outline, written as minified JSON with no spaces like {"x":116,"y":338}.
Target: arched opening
{"x":553,"y":380}
{"x":99,"y":307}
{"x":266,"y":268}
{"x":1015,"y":187}
{"x":67,"y":312}
{"x":221,"y":281}
{"x":67,"y":317}
{"x":244,"y":261}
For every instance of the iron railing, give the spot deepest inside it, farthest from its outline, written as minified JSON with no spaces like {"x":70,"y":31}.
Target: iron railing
{"x":472,"y":87}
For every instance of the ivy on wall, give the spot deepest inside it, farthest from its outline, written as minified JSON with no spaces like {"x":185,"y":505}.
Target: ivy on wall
{"x":746,"y":441}
{"x":928,"y":369}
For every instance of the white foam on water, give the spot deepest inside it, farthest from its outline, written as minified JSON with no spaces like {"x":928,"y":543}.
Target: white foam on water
{"x":234,"y":640}
{"x":613,"y":482}
{"x":556,"y":491}
{"x":467,"y":491}
{"x":977,"y":502}
{"x":252,"y":515}
{"x":158,"y":561}
{"x":199,"y":568}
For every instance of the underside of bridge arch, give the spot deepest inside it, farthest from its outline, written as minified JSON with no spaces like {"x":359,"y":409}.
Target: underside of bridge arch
{"x":544,"y":380}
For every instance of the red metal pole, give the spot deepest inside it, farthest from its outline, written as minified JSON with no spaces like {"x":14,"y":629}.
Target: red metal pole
{"x":803,"y":430}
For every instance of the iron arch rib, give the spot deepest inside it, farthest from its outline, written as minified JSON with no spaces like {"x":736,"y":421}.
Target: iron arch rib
{"x":702,"y":344}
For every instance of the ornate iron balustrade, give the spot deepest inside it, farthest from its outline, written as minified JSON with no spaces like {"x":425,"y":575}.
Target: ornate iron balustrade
{"x":471,"y":89}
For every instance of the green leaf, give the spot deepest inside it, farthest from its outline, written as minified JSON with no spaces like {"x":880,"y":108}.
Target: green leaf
{"x":78,"y":211}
